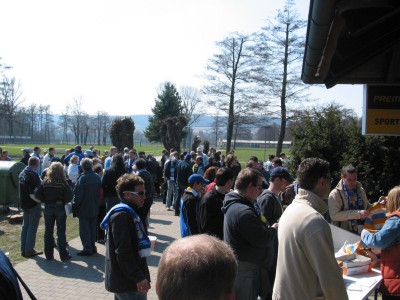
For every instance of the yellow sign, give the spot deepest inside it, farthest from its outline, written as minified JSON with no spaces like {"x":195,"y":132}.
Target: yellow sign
{"x":381,"y":110}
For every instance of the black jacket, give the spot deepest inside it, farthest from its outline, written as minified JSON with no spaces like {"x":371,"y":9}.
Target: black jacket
{"x":248,"y":236}
{"x":190,"y":208}
{"x":184,"y":170}
{"x":124,"y":266}
{"x":25,"y":159}
{"x":109,"y":181}
{"x":53,"y":192}
{"x":28,"y":181}
{"x":211,"y":215}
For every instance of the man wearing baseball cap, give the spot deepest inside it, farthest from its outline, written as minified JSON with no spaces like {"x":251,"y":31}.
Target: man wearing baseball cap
{"x":269,"y":201}
{"x":190,"y":203}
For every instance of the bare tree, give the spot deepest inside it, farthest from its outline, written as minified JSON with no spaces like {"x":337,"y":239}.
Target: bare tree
{"x":77,"y":119}
{"x":229,"y":80}
{"x":102,"y":123}
{"x":280,"y":54}
{"x":10,"y":99}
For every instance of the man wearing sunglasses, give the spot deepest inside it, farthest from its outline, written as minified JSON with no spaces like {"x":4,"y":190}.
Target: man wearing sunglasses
{"x":126,"y":272}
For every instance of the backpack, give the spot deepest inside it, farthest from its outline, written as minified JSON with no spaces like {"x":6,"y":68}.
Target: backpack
{"x":9,"y":287}
{"x":288,"y":194}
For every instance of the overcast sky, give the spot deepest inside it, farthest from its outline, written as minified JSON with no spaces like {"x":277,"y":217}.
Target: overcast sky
{"x":115,"y":54}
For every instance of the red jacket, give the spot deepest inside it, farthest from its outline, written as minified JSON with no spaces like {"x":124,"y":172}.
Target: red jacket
{"x":390,"y":269}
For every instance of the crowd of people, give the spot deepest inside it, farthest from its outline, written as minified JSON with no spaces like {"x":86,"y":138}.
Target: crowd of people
{"x":268,"y":228}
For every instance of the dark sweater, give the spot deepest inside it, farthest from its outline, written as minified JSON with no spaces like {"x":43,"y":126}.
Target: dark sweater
{"x":211,"y":215}
{"x":28,"y":181}
{"x":251,"y":240}
{"x":124,"y":266}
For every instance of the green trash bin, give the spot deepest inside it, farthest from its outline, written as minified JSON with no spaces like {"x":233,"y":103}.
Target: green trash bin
{"x":9,"y":182}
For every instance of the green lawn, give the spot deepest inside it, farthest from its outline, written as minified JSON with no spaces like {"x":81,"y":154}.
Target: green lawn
{"x":243,"y":154}
{"x":10,"y":232}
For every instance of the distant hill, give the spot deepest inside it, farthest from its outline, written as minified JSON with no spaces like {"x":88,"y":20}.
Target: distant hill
{"x":142,"y":121}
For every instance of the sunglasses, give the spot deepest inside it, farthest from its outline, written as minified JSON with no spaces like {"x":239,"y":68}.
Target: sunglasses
{"x":137,"y":193}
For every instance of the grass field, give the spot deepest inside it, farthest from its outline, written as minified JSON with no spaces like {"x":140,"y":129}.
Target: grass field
{"x":10,"y":233}
{"x":243,"y":154}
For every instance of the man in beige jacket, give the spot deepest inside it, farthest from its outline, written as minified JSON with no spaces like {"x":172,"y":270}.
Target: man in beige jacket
{"x":307,"y":268}
{"x":348,"y":202}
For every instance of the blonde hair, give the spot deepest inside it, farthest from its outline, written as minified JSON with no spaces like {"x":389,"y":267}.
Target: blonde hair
{"x":393,"y":201}
{"x":55,"y":173}
{"x":74,"y":159}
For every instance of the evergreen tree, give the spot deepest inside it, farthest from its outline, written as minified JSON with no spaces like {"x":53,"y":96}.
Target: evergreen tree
{"x":321,"y":133}
{"x":162,"y":126}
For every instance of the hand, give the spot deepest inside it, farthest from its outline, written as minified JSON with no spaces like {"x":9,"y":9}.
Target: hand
{"x":382,"y":200}
{"x":143,"y":286}
{"x":364,"y":214}
{"x":275,"y":226}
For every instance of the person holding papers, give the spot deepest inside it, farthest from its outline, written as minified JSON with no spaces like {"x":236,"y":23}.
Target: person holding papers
{"x":388,"y":240}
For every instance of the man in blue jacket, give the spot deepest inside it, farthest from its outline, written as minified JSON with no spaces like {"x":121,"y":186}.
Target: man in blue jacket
{"x":78,"y":152}
{"x":86,"y":207}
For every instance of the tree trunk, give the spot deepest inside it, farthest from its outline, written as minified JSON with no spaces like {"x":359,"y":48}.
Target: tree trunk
{"x":231,"y":114}
{"x":283,"y":96}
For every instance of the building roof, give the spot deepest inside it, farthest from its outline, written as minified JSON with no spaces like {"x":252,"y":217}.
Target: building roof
{"x":352,"y":42}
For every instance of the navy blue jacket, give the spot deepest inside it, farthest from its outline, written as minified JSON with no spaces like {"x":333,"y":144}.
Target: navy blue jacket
{"x":86,"y":195}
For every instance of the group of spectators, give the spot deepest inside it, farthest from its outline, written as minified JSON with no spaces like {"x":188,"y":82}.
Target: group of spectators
{"x":267,"y":205}
{"x":240,"y":213}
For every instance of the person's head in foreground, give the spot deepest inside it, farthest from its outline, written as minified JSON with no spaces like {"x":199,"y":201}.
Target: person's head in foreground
{"x":393,"y":201}
{"x":196,"y":267}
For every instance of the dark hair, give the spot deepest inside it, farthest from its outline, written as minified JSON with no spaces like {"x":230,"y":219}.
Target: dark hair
{"x":310,"y":170}
{"x":223,"y":175}
{"x":51,"y":148}
{"x":247,"y":176}
{"x":348,"y":169}
{"x":140,"y":163}
{"x":36,"y":148}
{"x":127,"y":182}
{"x":192,"y":268}
{"x":271,"y":156}
{"x":277,"y":161}
{"x":98,"y":168}
{"x":229,"y":159}
{"x":250,"y":164}
{"x":86,"y":164}
{"x":33,"y":161}
{"x":254,"y":158}
{"x":117,"y":162}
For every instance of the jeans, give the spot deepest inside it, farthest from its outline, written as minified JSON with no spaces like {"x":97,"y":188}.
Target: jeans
{"x":100,"y":217}
{"x":55,"y":213}
{"x":30,"y":225}
{"x":177,"y":203}
{"x":171,"y":188}
{"x":87,"y":233}
{"x":130,"y":296}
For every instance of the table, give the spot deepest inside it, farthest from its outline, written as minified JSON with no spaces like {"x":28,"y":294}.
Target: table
{"x":359,"y":287}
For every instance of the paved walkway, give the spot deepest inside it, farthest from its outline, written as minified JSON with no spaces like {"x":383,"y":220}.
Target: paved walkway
{"x":83,"y":277}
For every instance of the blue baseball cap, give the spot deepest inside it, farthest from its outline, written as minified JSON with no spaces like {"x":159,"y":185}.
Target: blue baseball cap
{"x":281,"y":172}
{"x":197,"y":178}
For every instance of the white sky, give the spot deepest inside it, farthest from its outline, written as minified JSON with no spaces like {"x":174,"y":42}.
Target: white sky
{"x":114,"y":54}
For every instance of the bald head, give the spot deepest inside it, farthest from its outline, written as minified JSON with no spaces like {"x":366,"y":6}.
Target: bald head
{"x":190,"y":264}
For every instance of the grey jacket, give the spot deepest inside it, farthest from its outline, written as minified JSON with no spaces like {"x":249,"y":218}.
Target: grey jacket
{"x":339,"y":208}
